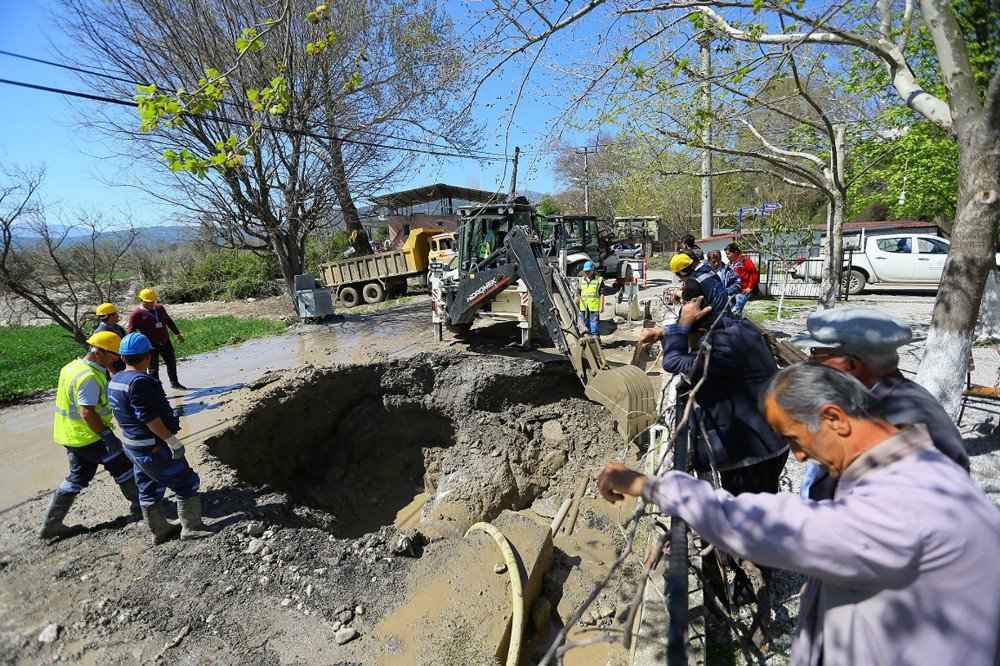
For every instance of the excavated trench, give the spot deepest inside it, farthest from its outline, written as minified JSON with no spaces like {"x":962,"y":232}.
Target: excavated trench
{"x":439,"y":440}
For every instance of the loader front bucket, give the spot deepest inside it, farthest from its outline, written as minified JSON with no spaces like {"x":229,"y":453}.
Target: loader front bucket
{"x":628,"y":394}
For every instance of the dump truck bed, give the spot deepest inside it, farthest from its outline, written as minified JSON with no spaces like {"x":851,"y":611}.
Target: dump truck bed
{"x":411,"y":260}
{"x":369,"y":267}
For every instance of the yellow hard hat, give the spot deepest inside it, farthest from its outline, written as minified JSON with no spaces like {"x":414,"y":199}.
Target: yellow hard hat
{"x":105,"y":340}
{"x":680,"y":262}
{"x":106,"y":309}
{"x":147,"y":296}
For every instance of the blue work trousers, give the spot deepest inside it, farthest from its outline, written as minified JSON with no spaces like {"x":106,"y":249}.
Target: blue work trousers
{"x":156,"y":470}
{"x":83,"y":463}
{"x":591,"y":321}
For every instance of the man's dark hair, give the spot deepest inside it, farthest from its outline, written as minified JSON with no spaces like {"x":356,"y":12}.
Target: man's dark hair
{"x":132,"y":359}
{"x":802,"y":389}
{"x":689,"y":240}
{"x":714,"y":254}
{"x":734,"y":248}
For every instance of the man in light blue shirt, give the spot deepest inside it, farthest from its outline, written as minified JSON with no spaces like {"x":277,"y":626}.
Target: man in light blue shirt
{"x":730,"y":280}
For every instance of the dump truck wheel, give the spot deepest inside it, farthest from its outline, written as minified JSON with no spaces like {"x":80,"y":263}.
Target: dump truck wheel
{"x":349,"y":297}
{"x":373,"y":293}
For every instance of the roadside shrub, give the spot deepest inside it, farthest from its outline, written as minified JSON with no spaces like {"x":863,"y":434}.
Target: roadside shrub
{"x":321,"y":249}
{"x":186,"y":292}
{"x":249,"y":287}
{"x":223,"y":274}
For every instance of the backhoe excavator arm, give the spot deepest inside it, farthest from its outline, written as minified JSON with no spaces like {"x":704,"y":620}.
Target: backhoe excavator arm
{"x":625,"y":390}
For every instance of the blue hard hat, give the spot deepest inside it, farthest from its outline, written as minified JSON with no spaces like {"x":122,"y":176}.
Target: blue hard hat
{"x":589,"y":266}
{"x":134,"y":344}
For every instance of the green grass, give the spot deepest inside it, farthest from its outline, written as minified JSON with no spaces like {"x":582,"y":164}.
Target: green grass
{"x":766,"y":309}
{"x":31,"y":356}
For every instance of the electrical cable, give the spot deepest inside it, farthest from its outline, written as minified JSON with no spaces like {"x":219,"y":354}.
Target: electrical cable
{"x":102,"y":75}
{"x":247,"y":125}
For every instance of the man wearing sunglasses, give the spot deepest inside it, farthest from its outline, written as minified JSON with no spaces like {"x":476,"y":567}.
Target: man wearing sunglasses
{"x":864,"y":343}
{"x":83,"y":425}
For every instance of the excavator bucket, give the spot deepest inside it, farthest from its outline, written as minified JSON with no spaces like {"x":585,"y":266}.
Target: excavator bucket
{"x":628,"y":394}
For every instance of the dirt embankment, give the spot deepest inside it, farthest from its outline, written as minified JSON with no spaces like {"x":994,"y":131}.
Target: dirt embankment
{"x":307,"y":484}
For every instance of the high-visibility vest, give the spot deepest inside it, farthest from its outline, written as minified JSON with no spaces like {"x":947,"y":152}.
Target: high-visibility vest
{"x":590,"y":293}
{"x":69,"y":428}
{"x":488,"y":245}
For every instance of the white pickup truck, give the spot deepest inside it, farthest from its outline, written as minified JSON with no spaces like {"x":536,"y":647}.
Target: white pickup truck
{"x":900,"y":258}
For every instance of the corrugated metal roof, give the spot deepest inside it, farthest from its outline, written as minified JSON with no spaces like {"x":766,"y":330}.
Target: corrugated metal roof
{"x":436,"y":192}
{"x":855,"y":226}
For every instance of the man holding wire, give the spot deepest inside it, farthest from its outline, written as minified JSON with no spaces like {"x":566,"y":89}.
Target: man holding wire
{"x":731,"y":435}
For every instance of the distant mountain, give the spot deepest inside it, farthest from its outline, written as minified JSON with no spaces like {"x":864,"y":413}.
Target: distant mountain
{"x":532,"y":196}
{"x":167,"y":234}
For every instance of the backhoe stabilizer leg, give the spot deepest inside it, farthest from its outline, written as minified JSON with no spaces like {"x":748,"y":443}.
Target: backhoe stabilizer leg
{"x":628,"y":394}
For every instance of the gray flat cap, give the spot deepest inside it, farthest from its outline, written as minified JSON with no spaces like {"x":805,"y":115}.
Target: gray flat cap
{"x":855,"y":329}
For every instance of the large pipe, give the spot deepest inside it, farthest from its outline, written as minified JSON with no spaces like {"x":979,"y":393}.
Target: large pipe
{"x":516,"y":591}
{"x":577,"y":501}
{"x":560,"y":516}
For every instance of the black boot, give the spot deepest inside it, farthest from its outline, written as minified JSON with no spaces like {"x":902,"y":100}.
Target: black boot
{"x":174,"y":384}
{"x":131,"y":492}
{"x":53,"y":526}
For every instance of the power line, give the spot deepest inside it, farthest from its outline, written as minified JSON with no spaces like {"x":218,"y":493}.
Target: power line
{"x":472,"y":154}
{"x":247,"y":125}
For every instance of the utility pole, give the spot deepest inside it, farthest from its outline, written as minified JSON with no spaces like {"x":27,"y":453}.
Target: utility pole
{"x":707,"y":204}
{"x":513,"y":178}
{"x":586,"y":150}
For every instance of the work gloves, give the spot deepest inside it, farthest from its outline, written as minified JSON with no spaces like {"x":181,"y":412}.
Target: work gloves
{"x":111,"y":440}
{"x":176,"y":447}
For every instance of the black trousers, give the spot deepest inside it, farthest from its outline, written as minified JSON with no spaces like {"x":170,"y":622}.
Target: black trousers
{"x":166,"y":350}
{"x":760,"y":477}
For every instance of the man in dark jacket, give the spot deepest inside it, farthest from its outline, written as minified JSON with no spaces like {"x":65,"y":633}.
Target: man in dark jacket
{"x":690,"y":246}
{"x":863,"y":342}
{"x":699,"y":280}
{"x":742,"y":447}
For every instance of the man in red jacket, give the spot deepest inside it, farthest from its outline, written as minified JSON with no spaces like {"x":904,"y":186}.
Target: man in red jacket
{"x":152,"y":320}
{"x":749,"y":276}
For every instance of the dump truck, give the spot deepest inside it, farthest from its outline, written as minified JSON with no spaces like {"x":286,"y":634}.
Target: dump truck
{"x":373,"y":277}
{"x":519,"y":272}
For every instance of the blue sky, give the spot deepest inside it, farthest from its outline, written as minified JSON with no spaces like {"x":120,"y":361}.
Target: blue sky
{"x":40,"y":128}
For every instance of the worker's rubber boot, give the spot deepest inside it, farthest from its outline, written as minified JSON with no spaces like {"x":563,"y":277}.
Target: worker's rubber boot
{"x":131,"y":492}
{"x":158,"y":524}
{"x":53,"y":527}
{"x":189,"y":511}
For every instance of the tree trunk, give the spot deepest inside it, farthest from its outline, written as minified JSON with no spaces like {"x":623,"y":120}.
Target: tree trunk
{"x":833,"y":264}
{"x":342,"y":188}
{"x":970,"y":261}
{"x":988,"y":325}
{"x":290,"y":259}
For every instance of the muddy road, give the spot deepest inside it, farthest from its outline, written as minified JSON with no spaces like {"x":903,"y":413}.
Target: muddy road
{"x":342,"y":465}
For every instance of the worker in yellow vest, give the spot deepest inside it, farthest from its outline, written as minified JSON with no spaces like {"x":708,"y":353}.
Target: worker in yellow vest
{"x":83,"y":424}
{"x":591,"y":290}
{"x":491,"y":241}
